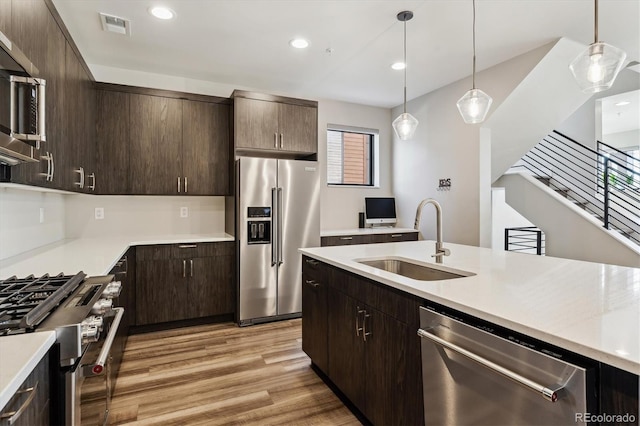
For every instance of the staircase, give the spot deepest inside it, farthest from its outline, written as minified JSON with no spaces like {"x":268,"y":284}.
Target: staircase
{"x":604,"y":184}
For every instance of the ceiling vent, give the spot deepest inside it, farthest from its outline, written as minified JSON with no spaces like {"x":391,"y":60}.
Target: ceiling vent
{"x":115,"y":24}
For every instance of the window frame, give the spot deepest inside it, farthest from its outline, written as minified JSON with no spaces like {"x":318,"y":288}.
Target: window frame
{"x":373,"y":163}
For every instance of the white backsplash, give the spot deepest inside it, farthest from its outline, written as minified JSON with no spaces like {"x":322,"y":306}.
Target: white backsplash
{"x":29,"y":219}
{"x":142,"y":215}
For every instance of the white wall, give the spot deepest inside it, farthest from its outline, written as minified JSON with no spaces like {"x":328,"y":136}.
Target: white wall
{"x":20,"y":226}
{"x":445,"y":147}
{"x":142,"y":215}
{"x":503,"y":216}
{"x":339,"y":206}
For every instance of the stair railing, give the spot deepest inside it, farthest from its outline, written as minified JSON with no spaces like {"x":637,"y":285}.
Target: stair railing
{"x":528,"y":239}
{"x":598,"y":182}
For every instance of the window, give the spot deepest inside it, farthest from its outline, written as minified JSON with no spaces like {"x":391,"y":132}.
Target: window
{"x":350,"y":155}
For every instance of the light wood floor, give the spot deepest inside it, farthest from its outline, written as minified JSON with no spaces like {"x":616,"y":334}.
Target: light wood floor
{"x":222,"y":374}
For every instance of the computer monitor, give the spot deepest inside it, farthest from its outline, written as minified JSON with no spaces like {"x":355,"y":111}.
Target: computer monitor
{"x":380,"y":210}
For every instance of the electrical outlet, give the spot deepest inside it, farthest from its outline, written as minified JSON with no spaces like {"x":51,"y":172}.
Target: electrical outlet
{"x":41,"y":214}
{"x":99,"y":213}
{"x":184,"y":211}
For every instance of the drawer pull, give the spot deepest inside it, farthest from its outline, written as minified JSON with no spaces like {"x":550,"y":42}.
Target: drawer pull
{"x":346,"y":238}
{"x":396,"y":235}
{"x":312,"y":283}
{"x":312,"y":262}
{"x":13,"y":416}
{"x":187,"y":246}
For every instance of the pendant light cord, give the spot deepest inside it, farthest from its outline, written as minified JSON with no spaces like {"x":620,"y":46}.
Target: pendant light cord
{"x":595,"y":25}
{"x":473,"y":74}
{"x":405,"y":66}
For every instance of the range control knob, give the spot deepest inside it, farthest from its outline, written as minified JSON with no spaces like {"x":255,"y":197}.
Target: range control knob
{"x":112,"y":290}
{"x":93,"y":321}
{"x":102,"y":306}
{"x":89,"y":334}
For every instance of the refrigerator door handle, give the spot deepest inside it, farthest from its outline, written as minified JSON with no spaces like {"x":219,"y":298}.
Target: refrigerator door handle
{"x":274,"y":232}
{"x":280,"y":210}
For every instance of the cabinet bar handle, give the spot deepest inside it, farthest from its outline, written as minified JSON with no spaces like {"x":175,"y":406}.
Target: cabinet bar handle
{"x":93,"y":182}
{"x":281,"y":140}
{"x":186,"y":185}
{"x":275,"y":140}
{"x":178,"y":183}
{"x":191,"y":267}
{"x":548,"y":394}
{"x":312,"y":283}
{"x":53,"y":167}
{"x":80,"y":184}
{"x":365,"y":333}
{"x":396,"y":235}
{"x":47,"y":176}
{"x":358,"y":312}
{"x":13,"y":416}
{"x":346,"y":238}
{"x":187,"y":246}
{"x":312,"y":262}
{"x":184,"y":269}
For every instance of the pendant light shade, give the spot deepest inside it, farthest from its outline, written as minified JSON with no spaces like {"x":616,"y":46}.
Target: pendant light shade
{"x":474,"y":105}
{"x":406,"y":124}
{"x":596,"y":68}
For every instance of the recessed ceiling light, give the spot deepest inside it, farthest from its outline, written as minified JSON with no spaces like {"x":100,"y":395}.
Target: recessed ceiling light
{"x":162,"y":12}
{"x":622,"y":103}
{"x":299,"y":43}
{"x":398,"y":66}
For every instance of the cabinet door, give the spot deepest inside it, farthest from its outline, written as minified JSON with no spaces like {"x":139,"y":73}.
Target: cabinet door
{"x":255,"y":124}
{"x":298,"y":127}
{"x":314,"y":320}
{"x":155,"y":126}
{"x":53,"y":71}
{"x":211,"y":286}
{"x":346,"y":361}
{"x":112,"y":150}
{"x":161,"y":291}
{"x":76,"y":116}
{"x":386,"y":367}
{"x":205,"y":148}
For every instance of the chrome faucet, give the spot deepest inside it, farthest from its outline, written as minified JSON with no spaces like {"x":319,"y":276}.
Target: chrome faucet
{"x":440,"y":251}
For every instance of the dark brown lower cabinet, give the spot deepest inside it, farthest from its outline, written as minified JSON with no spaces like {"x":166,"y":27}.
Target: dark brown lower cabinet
{"x":619,"y":391}
{"x":184,"y":281}
{"x":36,"y":410}
{"x":345,"y":240}
{"x":371,"y":343}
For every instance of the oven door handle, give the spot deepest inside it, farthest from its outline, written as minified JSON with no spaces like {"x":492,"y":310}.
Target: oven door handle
{"x":98,"y":367}
{"x":548,"y":394}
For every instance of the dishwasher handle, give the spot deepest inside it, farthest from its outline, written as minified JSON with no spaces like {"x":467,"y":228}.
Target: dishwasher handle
{"x":548,"y":394}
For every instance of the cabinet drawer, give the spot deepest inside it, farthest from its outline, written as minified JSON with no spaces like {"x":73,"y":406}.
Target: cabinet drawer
{"x":157,"y":252}
{"x":312,"y":269}
{"x":33,"y":397}
{"x":395,"y":237}
{"x":343,"y":240}
{"x":191,"y":250}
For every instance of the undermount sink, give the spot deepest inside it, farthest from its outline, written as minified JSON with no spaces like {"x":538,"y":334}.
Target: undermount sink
{"x":413,"y":269}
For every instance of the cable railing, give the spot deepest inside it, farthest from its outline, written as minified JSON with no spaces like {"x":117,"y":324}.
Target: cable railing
{"x":601,"y":183}
{"x":525,"y":239}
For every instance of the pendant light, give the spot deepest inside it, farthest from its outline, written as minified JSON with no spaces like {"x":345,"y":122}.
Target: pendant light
{"x":596,"y":68}
{"x":405,"y":125}
{"x":475,"y":104}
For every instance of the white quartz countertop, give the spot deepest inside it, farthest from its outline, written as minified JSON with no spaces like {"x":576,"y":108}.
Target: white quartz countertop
{"x":19,"y":355}
{"x":365,"y":231}
{"x":589,"y":308}
{"x":93,"y":256}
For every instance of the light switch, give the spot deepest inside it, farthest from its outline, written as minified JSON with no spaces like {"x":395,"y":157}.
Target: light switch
{"x":99,"y":213}
{"x":184,"y":211}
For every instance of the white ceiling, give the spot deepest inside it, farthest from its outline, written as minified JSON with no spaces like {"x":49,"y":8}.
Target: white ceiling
{"x":244,"y":43}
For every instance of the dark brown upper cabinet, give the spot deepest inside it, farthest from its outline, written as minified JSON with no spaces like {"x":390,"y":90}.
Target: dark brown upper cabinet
{"x":273,"y":124}
{"x":112,"y":147}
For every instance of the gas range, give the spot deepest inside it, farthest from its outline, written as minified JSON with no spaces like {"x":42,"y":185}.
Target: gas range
{"x":81,"y":311}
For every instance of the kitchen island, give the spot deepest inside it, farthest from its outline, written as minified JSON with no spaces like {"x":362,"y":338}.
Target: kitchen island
{"x":589,"y":309}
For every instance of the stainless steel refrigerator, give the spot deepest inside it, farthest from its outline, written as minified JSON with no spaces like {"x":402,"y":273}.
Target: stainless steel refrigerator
{"x":277,"y":212}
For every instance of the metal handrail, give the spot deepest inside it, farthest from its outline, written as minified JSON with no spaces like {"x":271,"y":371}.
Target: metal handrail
{"x":524,"y":239}
{"x":601,"y":185}
{"x":598,"y":143}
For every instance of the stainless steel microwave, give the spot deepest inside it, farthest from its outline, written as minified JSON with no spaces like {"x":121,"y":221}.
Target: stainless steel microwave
{"x":22,"y":106}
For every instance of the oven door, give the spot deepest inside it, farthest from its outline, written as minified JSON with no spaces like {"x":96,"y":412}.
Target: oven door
{"x":97,"y":372}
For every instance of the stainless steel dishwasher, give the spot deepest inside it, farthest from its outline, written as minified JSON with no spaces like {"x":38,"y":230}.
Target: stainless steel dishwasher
{"x":476,"y":373}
